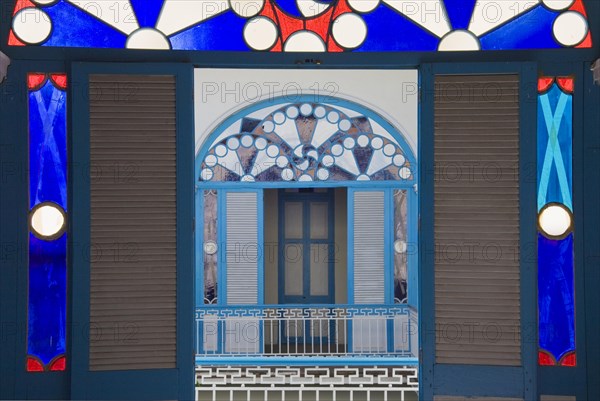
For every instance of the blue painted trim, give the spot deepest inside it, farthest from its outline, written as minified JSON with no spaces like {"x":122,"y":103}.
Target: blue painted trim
{"x":279,"y":185}
{"x":281,"y":100}
{"x":479,"y":381}
{"x":350,"y":246}
{"x":199,"y":241}
{"x":589,"y":213}
{"x":222,"y":239}
{"x":426,"y":236}
{"x":528,"y":227}
{"x":261,"y":250}
{"x":78,"y":364}
{"x":581,"y":323}
{"x":388,"y":246}
{"x":413,"y":248}
{"x":185,"y":226}
{"x":306,"y":361}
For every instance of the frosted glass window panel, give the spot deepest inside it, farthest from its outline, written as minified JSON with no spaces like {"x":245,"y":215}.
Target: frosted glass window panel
{"x":400,"y":246}
{"x":319,"y":269}
{"x":294,"y":269}
{"x":293,"y":220}
{"x":319,"y":220}
{"x":210,"y":247}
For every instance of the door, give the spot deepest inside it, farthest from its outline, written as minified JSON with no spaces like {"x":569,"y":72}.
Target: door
{"x":306,"y":266}
{"x":306,"y":251}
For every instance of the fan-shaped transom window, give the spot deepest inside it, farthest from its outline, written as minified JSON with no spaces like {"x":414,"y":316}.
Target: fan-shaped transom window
{"x":303,"y":25}
{"x":308,"y":142}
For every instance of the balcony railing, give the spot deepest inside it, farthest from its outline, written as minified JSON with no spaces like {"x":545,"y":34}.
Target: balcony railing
{"x":334,"y":334}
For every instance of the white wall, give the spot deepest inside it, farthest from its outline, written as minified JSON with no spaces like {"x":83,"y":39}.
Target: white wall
{"x":391,"y":93}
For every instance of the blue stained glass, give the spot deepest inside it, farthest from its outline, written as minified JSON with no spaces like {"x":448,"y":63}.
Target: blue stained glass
{"x":73,"y":27}
{"x":555,"y":148}
{"x":460,"y":12}
{"x":147,"y":11}
{"x":556,"y":295}
{"x":530,"y":30}
{"x":380,"y":38}
{"x":224,"y":32}
{"x":390,"y":27}
{"x":47,"y":313}
{"x":47,"y":291}
{"x":47,"y":146}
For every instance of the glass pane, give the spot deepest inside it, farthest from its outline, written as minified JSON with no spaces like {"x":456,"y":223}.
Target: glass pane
{"x":400,"y":247}
{"x":319,"y":269}
{"x":47,"y":271}
{"x":294,"y":262}
{"x":293,"y":220}
{"x":210,"y":247}
{"x":302,"y":26}
{"x":319,"y":221}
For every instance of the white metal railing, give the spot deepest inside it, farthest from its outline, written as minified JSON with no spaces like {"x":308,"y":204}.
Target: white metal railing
{"x":306,"y":331}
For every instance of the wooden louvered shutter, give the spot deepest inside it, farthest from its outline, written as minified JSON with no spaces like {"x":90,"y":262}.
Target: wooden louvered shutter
{"x":369,"y":244}
{"x":242,"y":247}
{"x":477,"y":278}
{"x":133,"y":222}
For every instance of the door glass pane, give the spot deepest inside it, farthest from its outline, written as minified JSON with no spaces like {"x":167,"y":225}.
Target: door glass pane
{"x":293,"y":220}
{"x":319,"y":269}
{"x":294,"y":261}
{"x":318,"y":220}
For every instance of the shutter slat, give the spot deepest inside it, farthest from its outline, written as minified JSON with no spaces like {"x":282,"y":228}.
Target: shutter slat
{"x":477,"y":277}
{"x":133,"y":222}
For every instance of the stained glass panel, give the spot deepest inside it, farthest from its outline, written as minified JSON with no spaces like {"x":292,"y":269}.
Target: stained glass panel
{"x":307,"y":142}
{"x":302,"y":25}
{"x":400,"y":246}
{"x":47,"y":291}
{"x":211,"y":248}
{"x":556,"y":282}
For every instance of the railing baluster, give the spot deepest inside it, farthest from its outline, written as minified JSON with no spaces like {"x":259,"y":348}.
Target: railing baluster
{"x":312,"y":331}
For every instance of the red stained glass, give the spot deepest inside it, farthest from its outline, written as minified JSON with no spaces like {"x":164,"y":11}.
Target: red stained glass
{"x":33,"y":365}
{"x":59,"y":364}
{"x":13,"y":41}
{"x":21,"y":4}
{"x":59,"y":80}
{"x":544,"y":83}
{"x":569,"y":360}
{"x":566,"y":84}
{"x":545,"y":359}
{"x":34,"y":81}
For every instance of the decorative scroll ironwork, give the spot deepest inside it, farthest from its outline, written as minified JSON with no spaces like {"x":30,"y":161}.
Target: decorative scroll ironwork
{"x":278,"y":383}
